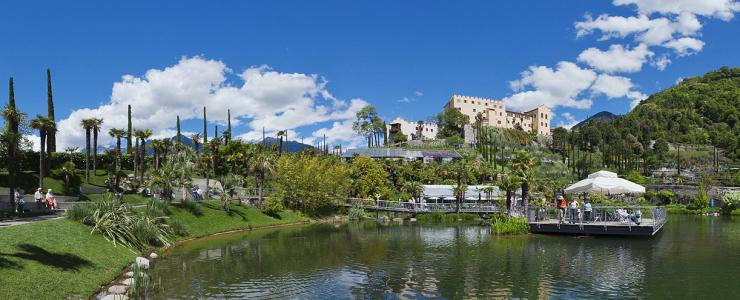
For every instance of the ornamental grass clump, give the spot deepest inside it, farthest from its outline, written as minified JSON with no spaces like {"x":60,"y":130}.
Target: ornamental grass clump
{"x":120,"y":225}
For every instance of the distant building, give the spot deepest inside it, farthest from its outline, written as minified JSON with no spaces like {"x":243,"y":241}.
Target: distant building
{"x":426,"y":156}
{"x":494,"y":114}
{"x":413,"y":130}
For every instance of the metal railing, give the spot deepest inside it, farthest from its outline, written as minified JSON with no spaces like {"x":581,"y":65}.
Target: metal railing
{"x":415,"y":207}
{"x":654,"y":216}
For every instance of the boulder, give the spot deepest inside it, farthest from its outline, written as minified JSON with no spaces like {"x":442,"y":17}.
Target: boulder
{"x":337,"y":219}
{"x":118,"y":289}
{"x":114,"y":297}
{"x":127,"y":281}
{"x":397,"y":220}
{"x":153,"y":255}
{"x":142,"y":262}
{"x":129,"y":274}
{"x":412,"y":220}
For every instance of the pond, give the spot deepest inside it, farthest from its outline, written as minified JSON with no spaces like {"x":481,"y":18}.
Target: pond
{"x":692,"y":257}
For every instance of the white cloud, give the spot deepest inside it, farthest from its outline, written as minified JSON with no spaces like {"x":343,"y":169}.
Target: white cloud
{"x":418,"y":94}
{"x":685,"y":46}
{"x":35,"y":141}
{"x":636,"y":98}
{"x":612,"y":86}
{"x":661,"y":62}
{"x":722,"y":9}
{"x":264,"y":97}
{"x":340,"y":131}
{"x":616,"y":59}
{"x":405,"y":100}
{"x":570,"y":121}
{"x":551,"y":87}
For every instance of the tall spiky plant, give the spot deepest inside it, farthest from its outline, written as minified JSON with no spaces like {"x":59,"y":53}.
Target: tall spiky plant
{"x":50,"y":135}
{"x":227,"y":136}
{"x":195,"y":137}
{"x":144,"y":135}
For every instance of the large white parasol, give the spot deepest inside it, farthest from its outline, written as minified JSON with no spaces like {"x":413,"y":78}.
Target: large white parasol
{"x":605,"y":183}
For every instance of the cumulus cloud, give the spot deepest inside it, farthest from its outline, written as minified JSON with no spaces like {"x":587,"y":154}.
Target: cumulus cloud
{"x":418,"y":94}
{"x":616,"y":59}
{"x":722,"y":9}
{"x":685,"y":46}
{"x":661,"y":62}
{"x":552,"y":87}
{"x":568,"y":122}
{"x":262,"y":97}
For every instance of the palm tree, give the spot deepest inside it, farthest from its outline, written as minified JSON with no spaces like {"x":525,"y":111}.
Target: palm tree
{"x":117,"y":134}
{"x":263,"y":165}
{"x":413,"y":188}
{"x":142,"y":136}
{"x":44,"y":125}
{"x":96,"y":129}
{"x":523,"y":165}
{"x":156,"y":146}
{"x":195,"y":137}
{"x":88,"y":125}
{"x":509,"y":183}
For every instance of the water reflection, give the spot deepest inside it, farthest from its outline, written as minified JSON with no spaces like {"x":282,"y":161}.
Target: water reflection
{"x":369,"y":260}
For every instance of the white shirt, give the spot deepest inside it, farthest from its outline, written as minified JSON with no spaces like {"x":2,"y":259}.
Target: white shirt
{"x":38,"y":195}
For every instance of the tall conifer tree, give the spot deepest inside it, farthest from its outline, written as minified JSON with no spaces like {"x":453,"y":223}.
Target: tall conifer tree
{"x":51,"y":145}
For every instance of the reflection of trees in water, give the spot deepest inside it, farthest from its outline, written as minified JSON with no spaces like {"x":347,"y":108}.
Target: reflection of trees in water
{"x":368,"y":260}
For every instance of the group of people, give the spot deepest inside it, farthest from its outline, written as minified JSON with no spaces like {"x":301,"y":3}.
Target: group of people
{"x":197,"y":193}
{"x":46,"y":200}
{"x":575,"y":214}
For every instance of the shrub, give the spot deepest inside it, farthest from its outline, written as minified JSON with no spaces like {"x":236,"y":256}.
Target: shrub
{"x":81,"y":213}
{"x":178,"y":227}
{"x":120,"y":225}
{"x":665,"y":197}
{"x":356,"y":213}
{"x":730,"y":202}
{"x":430,"y":218}
{"x":440,"y":218}
{"x":272,"y":206}
{"x":510,"y":226}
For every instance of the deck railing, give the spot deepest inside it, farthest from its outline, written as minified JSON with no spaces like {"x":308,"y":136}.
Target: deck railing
{"x":654,"y":216}
{"x":415,"y":207}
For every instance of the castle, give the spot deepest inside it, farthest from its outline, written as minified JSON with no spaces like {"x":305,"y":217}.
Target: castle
{"x":494,"y":114}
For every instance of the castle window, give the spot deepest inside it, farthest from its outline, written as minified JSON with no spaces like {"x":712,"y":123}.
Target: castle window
{"x":473,"y":109}
{"x":466,"y":101}
{"x":499,"y":122}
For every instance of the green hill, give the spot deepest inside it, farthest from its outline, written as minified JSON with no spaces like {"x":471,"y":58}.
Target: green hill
{"x":699,"y":110}
{"x":702,"y":110}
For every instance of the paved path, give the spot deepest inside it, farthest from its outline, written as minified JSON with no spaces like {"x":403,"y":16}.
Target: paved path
{"x":21,"y":221}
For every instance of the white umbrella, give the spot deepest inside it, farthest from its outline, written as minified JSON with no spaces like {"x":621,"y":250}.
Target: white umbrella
{"x":605,"y":182}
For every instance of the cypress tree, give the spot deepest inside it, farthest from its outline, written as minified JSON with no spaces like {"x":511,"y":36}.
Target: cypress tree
{"x":51,"y":145}
{"x":12,"y":117}
{"x":178,"y":130}
{"x":205,"y":129}
{"x":228,"y":137}
{"x":129,"y":136}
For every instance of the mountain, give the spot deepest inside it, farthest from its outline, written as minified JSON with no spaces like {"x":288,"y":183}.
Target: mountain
{"x":603,"y":116}
{"x":289,"y":146}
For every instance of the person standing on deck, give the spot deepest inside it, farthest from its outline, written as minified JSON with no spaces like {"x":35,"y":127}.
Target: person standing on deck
{"x":573,"y":210}
{"x":587,"y":211}
{"x":561,"y":208}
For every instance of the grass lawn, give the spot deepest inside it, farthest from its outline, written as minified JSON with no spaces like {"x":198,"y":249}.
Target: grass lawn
{"x":60,"y":259}
{"x":56,"y":259}
{"x":132,"y":199}
{"x":213,"y":219}
{"x":29,"y":181}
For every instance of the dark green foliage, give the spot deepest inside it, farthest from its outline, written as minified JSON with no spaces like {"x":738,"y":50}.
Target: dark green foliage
{"x":129,"y":135}
{"x":510,"y":226}
{"x":451,"y":122}
{"x":51,"y":145}
{"x":440,"y":218}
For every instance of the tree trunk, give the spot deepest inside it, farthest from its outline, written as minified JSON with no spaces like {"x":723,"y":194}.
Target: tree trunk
{"x":135,"y":153}
{"x":87,"y":155}
{"x":42,"y":160}
{"x":208,"y":185}
{"x":525,"y":193}
{"x":143,"y":160}
{"x":95,"y":151}
{"x":118,"y":163}
{"x":508,"y":201}
{"x":261,"y":186}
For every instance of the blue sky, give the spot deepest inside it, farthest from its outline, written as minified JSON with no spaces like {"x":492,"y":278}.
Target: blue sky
{"x":309,"y":65}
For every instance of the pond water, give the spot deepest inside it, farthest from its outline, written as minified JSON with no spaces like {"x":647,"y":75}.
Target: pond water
{"x":692,"y":257}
